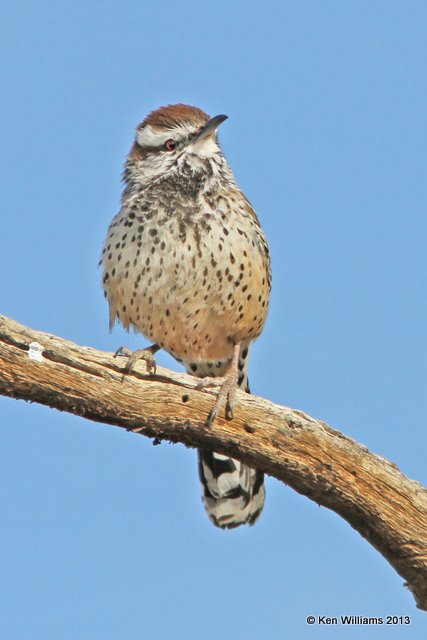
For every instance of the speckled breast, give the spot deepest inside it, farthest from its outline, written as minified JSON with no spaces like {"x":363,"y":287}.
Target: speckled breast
{"x":195,"y":282}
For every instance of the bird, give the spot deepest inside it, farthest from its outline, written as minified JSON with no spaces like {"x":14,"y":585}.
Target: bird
{"x":186,"y":264}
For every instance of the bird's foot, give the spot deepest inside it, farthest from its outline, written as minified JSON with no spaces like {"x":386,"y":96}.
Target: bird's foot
{"x":227,"y":389}
{"x":146,"y":354}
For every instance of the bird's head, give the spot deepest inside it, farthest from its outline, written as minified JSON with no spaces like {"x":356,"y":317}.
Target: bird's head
{"x":174,"y":138}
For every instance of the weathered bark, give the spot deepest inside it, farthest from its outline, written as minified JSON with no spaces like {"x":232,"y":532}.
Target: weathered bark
{"x":375,"y":498}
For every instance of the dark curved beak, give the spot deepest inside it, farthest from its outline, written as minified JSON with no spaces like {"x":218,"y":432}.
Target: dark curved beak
{"x":210,"y":126}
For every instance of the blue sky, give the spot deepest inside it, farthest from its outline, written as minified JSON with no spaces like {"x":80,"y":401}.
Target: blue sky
{"x":104,"y":536}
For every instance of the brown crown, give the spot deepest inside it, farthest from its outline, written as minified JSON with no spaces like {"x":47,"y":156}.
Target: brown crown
{"x":174,"y":114}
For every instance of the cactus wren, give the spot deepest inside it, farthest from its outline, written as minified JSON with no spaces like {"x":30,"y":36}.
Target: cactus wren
{"x":186,"y":264}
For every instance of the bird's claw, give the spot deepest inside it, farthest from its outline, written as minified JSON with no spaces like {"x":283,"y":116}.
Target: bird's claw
{"x":146,"y":354}
{"x":227,"y":390}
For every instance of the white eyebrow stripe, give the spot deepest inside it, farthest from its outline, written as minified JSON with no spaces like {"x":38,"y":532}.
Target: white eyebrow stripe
{"x":150,"y":137}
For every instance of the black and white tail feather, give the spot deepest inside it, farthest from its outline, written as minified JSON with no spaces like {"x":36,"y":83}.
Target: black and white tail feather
{"x":232,"y":493}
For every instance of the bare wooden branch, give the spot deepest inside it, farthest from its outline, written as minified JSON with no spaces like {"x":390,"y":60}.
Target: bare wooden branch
{"x":369,"y":492}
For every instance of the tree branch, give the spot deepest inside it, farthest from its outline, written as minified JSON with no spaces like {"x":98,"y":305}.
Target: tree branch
{"x":369,"y":492}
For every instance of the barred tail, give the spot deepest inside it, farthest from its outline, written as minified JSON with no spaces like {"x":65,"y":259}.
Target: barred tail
{"x":232,"y":493}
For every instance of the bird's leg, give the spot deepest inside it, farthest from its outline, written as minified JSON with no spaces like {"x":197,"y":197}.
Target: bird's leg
{"x":228,"y":386}
{"x":146,"y":354}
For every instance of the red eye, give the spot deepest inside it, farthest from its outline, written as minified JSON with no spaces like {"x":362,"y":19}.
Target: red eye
{"x":170,"y":145}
